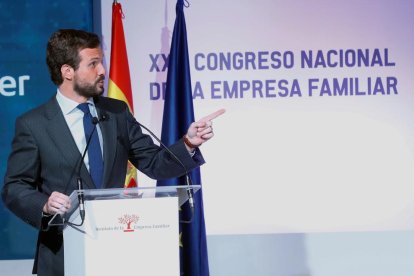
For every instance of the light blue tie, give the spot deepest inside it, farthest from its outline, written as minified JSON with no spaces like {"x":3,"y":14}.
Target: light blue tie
{"x":94,"y":149}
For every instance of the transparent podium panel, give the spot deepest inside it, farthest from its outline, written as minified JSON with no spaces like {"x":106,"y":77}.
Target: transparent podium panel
{"x":182,"y":192}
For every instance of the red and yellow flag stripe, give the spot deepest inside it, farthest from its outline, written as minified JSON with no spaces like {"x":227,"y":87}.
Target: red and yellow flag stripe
{"x":119,"y":86}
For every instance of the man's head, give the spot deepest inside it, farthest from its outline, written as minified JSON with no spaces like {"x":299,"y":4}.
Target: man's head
{"x":64,"y":46}
{"x":75,"y":56}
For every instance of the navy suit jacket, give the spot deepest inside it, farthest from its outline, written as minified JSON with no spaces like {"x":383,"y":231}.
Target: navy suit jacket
{"x":44,"y":159}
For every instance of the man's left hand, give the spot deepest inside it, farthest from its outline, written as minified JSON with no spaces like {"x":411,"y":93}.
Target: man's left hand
{"x":201,"y":131}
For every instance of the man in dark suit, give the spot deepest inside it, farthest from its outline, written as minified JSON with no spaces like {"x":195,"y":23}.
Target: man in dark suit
{"x":50,"y":139}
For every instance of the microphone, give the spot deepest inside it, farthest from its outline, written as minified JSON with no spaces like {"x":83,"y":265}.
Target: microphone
{"x":187,"y":176}
{"x":81,"y":199}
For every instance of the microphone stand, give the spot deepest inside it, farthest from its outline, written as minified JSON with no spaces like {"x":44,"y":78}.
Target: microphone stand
{"x":79,"y":182}
{"x":188,"y":181}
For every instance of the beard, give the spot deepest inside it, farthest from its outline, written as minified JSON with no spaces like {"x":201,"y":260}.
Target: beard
{"x":89,"y":90}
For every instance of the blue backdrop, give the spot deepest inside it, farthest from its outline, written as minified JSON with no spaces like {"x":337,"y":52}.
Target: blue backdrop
{"x":24,"y":83}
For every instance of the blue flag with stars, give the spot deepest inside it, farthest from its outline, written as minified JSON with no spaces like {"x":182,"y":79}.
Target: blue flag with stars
{"x":178,"y":115}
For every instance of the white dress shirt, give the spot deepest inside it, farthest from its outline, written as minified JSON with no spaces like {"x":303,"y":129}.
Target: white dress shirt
{"x":74,"y":120}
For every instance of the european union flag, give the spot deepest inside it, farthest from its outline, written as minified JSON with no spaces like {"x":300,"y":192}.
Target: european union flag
{"x":178,"y":115}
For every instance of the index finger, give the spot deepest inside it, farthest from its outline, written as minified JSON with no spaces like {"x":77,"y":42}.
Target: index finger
{"x":212,"y":115}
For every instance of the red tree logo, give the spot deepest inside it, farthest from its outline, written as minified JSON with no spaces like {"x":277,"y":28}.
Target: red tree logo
{"x":128,"y":220}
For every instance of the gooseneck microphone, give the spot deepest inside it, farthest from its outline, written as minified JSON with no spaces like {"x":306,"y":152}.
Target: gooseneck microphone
{"x":187,"y":176}
{"x":79,"y":182}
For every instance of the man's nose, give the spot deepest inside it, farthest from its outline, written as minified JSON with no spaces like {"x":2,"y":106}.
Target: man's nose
{"x":101,"y":69}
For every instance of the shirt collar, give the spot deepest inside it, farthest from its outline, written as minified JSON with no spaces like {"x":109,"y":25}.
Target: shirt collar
{"x":68,"y":105}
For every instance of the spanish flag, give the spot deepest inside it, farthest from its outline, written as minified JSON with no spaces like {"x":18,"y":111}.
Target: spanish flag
{"x":119,"y":86}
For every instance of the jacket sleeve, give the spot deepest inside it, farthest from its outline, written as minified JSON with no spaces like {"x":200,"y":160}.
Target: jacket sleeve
{"x":155,"y":161}
{"x":20,"y":193}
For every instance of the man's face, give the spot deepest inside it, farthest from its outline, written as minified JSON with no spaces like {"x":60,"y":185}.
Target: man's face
{"x":89,"y":77}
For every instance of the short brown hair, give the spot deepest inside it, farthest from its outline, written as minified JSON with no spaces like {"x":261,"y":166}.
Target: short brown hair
{"x":64,"y":46}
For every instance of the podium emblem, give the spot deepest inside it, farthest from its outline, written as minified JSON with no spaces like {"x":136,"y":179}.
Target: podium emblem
{"x":129,"y":220}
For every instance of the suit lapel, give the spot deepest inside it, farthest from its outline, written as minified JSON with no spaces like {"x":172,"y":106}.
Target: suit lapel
{"x":61,"y":136}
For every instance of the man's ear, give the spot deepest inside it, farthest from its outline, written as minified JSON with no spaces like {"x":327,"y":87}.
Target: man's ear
{"x":67,"y":72}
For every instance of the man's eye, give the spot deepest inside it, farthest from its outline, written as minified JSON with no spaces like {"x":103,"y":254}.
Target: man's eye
{"x":93,"y":64}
